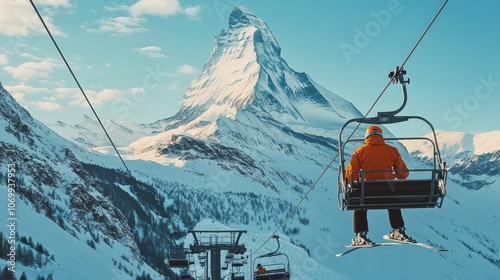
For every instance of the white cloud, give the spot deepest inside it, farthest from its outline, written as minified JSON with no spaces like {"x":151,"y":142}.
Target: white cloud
{"x":97,"y":98}
{"x":19,"y":97}
{"x":186,"y":69}
{"x":19,"y":92}
{"x":65,"y":92}
{"x":26,"y":89}
{"x":137,"y":90}
{"x":47,"y":105}
{"x":28,"y":56}
{"x":17,"y":17}
{"x":151,"y":51}
{"x":156,"y":7}
{"x":193,"y":12}
{"x":125,"y":25}
{"x":32,"y":69}
{"x":116,"y":7}
{"x":4,"y":60}
{"x":134,"y":20}
{"x":55,"y":3}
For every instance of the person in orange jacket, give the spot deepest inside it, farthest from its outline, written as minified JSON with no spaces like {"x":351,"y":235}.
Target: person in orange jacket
{"x":375,"y":154}
{"x":260,"y":269}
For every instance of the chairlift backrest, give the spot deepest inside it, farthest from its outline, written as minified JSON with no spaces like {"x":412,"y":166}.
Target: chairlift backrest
{"x":178,"y":263}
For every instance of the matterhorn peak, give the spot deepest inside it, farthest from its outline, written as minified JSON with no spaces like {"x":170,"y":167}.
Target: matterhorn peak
{"x":242,"y":17}
{"x":246,"y":83}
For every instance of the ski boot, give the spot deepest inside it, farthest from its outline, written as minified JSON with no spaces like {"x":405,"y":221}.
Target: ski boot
{"x":361,"y":240}
{"x":399,"y":234}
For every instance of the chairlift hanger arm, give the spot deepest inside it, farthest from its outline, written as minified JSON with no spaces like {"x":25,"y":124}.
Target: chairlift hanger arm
{"x":397,"y":76}
{"x":275,"y":252}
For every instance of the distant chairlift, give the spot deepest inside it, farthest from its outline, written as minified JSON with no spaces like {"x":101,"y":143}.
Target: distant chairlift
{"x":181,"y":262}
{"x":236,"y":265}
{"x":389,"y":194}
{"x":182,"y":259}
{"x":277,"y":265}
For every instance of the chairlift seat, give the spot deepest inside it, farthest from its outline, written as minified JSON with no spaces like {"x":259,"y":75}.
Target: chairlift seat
{"x":178,"y":263}
{"x":275,"y":274}
{"x":390,"y":194}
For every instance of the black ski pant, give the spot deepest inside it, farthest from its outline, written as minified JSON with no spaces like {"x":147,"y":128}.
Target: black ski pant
{"x":361,"y":220}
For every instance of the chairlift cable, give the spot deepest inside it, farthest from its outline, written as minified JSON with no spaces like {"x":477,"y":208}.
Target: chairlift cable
{"x":80,"y":87}
{"x":357,"y":126}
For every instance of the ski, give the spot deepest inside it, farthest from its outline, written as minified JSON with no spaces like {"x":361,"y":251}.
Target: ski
{"x":354,"y":248}
{"x":424,"y":245}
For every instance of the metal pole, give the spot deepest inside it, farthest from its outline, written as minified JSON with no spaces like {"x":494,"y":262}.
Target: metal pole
{"x":251,"y":263}
{"x":215,"y":264}
{"x":206,"y":269}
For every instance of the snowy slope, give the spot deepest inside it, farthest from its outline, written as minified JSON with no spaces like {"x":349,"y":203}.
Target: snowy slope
{"x":72,"y":255}
{"x":59,"y":205}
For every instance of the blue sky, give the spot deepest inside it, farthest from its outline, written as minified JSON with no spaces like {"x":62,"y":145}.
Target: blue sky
{"x":135,"y":58}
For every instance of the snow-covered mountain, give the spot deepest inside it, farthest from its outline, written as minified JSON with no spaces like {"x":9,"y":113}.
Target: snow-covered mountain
{"x":248,"y":95}
{"x":62,"y":215}
{"x":89,"y":133}
{"x":473,"y":158}
{"x":250,"y":140}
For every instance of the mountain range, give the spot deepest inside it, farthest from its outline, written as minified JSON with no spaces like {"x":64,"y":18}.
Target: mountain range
{"x":472,"y":157}
{"x":250,"y":140}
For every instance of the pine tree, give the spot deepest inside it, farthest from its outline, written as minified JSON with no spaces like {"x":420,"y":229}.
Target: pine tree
{"x":39,"y":260}
{"x":20,"y":254}
{"x":29,"y":258}
{"x":23,"y":276}
{"x":7,"y":274}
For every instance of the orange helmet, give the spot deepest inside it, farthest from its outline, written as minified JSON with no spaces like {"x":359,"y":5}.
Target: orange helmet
{"x":373,"y":130}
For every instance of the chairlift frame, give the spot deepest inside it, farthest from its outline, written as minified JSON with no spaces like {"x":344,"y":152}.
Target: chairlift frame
{"x":274,"y":271}
{"x":180,"y":262}
{"x":236,"y":266}
{"x":392,"y":194}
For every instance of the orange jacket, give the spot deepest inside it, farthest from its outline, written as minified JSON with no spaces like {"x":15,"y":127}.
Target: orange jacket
{"x":375,"y":154}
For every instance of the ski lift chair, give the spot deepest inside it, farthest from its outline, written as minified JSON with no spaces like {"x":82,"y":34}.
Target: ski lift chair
{"x":178,"y":263}
{"x":182,"y":257}
{"x":238,"y":276}
{"x":427,"y":192}
{"x":236,"y":265}
{"x":277,"y":265}
{"x":186,"y":276}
